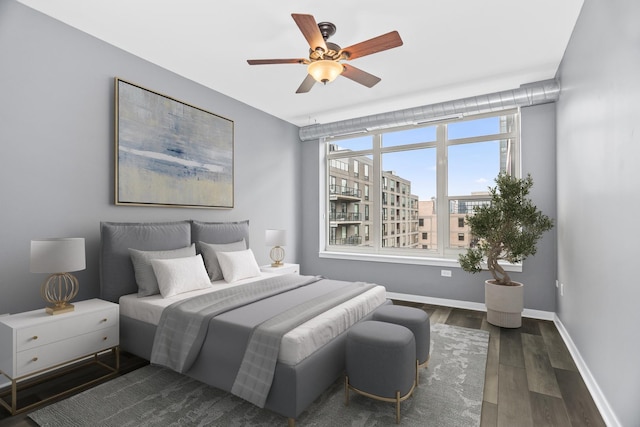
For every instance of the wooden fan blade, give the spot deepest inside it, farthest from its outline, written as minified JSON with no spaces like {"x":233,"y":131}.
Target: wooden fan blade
{"x":307,"y":84}
{"x":310,"y":31}
{"x":275,"y":61}
{"x":374,"y":45}
{"x":359,"y":76}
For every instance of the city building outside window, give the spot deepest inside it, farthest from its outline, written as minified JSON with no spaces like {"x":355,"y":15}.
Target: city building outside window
{"x":415,"y":185}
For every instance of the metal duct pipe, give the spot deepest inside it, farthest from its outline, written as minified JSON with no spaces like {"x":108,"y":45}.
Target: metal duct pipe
{"x":529,"y":94}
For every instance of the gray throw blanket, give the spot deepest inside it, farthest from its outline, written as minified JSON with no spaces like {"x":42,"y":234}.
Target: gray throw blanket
{"x":255,"y":376}
{"x":184,"y":324}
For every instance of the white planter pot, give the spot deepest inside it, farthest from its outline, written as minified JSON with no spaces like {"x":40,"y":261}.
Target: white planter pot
{"x":504,"y":304}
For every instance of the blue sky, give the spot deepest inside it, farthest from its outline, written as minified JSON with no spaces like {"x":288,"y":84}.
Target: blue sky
{"x":472,"y":167}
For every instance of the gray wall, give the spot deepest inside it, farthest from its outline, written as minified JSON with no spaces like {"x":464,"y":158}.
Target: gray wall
{"x":598,"y":152}
{"x":539,"y":272}
{"x":57,"y":161}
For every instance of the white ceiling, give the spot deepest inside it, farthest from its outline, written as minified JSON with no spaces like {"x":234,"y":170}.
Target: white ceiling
{"x":452,"y":49}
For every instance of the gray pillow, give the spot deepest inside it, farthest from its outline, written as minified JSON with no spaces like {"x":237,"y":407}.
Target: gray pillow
{"x":220,"y":232}
{"x":209,"y":253}
{"x":145,"y":277}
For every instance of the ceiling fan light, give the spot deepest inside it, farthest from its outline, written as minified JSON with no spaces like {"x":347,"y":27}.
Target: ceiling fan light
{"x":325,"y":71}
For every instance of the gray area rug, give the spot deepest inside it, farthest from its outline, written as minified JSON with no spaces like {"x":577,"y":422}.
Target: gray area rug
{"x":450,"y":394}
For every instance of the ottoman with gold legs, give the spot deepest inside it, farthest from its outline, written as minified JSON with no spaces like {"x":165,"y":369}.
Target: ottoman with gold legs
{"x":417,"y":321}
{"x":381,"y":362}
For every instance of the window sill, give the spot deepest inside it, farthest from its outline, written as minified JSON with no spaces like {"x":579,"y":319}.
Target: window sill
{"x":414,"y":260}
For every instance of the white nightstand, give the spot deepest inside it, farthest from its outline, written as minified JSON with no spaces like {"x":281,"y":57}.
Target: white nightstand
{"x":285,"y":269}
{"x":35,"y":343}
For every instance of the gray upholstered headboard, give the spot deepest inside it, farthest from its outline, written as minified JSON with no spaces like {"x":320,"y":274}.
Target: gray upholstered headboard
{"x":117,"y":277}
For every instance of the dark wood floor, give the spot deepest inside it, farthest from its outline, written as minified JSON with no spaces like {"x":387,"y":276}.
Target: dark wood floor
{"x":531,"y":379}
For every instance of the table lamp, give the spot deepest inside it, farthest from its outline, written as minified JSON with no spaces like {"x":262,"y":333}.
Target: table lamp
{"x":58,"y":256}
{"x":277,"y":239}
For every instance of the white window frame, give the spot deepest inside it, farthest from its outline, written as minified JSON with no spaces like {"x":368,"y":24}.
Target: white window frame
{"x":446,"y":258}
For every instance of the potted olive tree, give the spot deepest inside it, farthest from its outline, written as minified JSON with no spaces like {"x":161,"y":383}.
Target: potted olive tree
{"x":506,"y":229}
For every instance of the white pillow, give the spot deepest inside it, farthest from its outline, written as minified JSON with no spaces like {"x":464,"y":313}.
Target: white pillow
{"x":238,"y":265}
{"x":146,"y":280}
{"x":210,"y":254}
{"x":179,"y":275}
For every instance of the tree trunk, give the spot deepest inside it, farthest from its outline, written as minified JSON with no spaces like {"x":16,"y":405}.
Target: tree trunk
{"x":498,"y":273}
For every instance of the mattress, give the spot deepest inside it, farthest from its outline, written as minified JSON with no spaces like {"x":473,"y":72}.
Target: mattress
{"x":297,"y":344}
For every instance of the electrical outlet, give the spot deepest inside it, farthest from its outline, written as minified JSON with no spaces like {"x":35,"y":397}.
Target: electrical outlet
{"x":445,"y":273}
{"x":561,"y":289}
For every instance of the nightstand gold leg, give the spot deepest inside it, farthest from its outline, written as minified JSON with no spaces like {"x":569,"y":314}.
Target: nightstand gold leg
{"x":14,"y":396}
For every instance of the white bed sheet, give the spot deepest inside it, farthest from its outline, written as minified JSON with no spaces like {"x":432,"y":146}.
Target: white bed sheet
{"x":297,"y":344}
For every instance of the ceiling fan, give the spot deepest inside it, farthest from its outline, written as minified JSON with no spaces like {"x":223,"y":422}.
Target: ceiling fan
{"x":324,"y":62}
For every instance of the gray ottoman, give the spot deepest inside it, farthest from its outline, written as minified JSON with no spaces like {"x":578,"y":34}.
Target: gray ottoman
{"x":381,"y":362}
{"x":416,"y":320}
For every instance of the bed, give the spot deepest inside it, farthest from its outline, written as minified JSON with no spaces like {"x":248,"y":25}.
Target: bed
{"x":311,"y":355}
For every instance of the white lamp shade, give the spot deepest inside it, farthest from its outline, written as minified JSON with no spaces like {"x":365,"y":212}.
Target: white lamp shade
{"x":275,"y":238}
{"x":57,"y":255}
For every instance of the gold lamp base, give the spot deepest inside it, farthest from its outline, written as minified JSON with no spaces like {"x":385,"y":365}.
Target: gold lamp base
{"x":59,"y":289}
{"x":277,"y":255}
{"x":59,"y":309}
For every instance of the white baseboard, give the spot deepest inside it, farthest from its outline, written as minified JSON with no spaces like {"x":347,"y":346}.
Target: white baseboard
{"x":598,"y":397}
{"x":600,"y":400}
{"x":468,"y":305}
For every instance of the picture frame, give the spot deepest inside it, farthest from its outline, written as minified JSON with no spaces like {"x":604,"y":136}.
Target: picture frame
{"x":169,"y":153}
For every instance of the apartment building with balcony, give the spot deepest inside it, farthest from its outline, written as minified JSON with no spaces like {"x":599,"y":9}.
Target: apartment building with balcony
{"x":351,"y":204}
{"x":399,"y":212}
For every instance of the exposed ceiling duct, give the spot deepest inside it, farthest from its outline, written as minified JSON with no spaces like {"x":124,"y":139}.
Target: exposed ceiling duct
{"x":526,"y":95}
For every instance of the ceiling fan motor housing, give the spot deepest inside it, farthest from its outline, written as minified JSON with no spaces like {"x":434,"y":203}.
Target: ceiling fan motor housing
{"x":332,"y":53}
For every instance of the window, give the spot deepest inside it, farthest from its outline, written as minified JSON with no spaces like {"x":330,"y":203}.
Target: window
{"x":416,"y":185}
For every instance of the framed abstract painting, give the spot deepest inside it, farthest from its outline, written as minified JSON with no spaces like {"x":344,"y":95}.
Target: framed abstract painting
{"x":170,"y":153}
